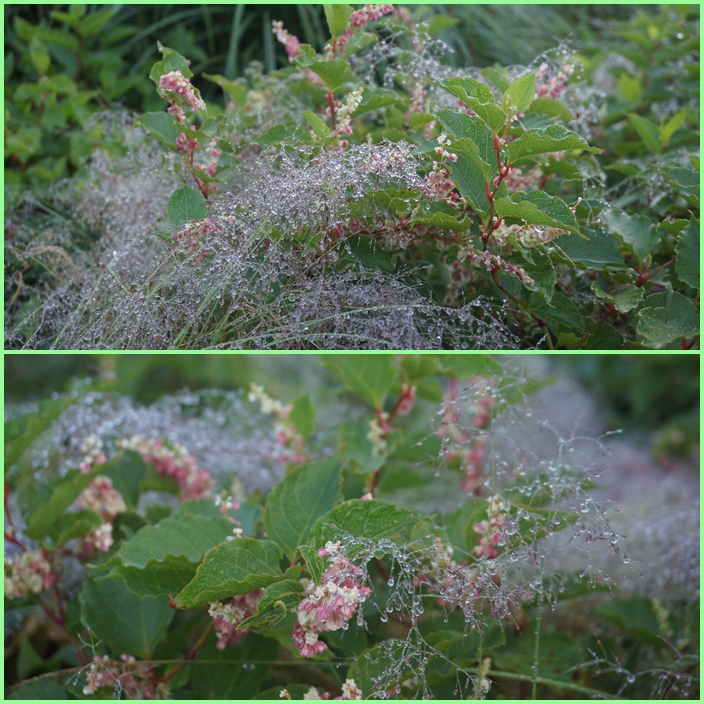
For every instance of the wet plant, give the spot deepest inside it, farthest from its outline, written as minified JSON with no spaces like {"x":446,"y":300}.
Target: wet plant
{"x":430,"y":535}
{"x":373,"y":196}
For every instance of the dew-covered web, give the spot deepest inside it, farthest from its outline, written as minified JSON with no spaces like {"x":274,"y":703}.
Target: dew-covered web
{"x":536,"y":474}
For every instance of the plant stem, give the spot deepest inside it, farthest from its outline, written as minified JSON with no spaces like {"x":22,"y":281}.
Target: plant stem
{"x":191,"y":653}
{"x":643,"y":278}
{"x":332,"y":110}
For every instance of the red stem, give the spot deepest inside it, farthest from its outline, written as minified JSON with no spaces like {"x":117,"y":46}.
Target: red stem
{"x":332,"y":110}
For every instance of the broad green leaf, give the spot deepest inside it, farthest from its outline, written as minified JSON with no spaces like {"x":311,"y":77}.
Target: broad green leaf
{"x":40,"y":690}
{"x":237,"y":91}
{"x":561,"y":312}
{"x":456,"y":522}
{"x":314,"y":563}
{"x":635,"y":615}
{"x":172,"y":61}
{"x":375,"y":520}
{"x":236,"y":567}
{"x":190,"y":536}
{"x":371,"y":377}
{"x":278,"y":601}
{"x":65,"y":493}
{"x":24,"y":143}
{"x":666,"y":318}
{"x":600,"y":251}
{"x":334,"y":73}
{"x":630,"y":87}
{"x":374,"y":100}
{"x":306,"y":56}
{"x":299,"y":500}
{"x":467,"y":366}
{"x":162,"y":126}
{"x":277,"y":133}
{"x":20,"y":432}
{"x":303,"y":416}
{"x":39,"y":55}
{"x":92,"y":23}
{"x":554,"y":138}
{"x":416,"y":366}
{"x":468,"y":128}
{"x":230,"y":679}
{"x":647,"y":131}
{"x":338,"y":17}
{"x":185,"y":205}
{"x":443,"y":221}
{"x":477,"y":97}
{"x":319,"y":127}
{"x":635,"y":232}
{"x":551,"y":108}
{"x":439,"y":22}
{"x":124,"y":622}
{"x":672,"y":125}
{"x":537,"y":208}
{"x":687,"y":251}
{"x":73,"y":524}
{"x":127,"y":473}
{"x":519,"y":95}
{"x":539,"y":267}
{"x":166,"y":577}
{"x":358,"y":41}
{"x":624,"y":300}
{"x":355,"y":449}
{"x":684,"y":181}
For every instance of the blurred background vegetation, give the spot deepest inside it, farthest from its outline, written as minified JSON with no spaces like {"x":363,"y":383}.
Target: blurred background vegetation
{"x":64,"y":63}
{"x":653,"y":397}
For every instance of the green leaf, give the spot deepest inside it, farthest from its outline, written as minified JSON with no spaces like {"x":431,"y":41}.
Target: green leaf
{"x":476,"y":141}
{"x":624,"y":301}
{"x":319,"y":127}
{"x":65,"y":493}
{"x":277,"y":133}
{"x":236,"y":567}
{"x":375,"y":520}
{"x":375,"y":100}
{"x":537,"y":208}
{"x":600,"y":251}
{"x":172,"y":61}
{"x":303,"y":416}
{"x":127,"y":473}
{"x":457,"y":521}
{"x":20,"y":432}
{"x":278,"y":601}
{"x":540,"y":269}
{"x":162,"y":126}
{"x":439,"y":22}
{"x":467,"y":366}
{"x":561,"y":311}
{"x":23,"y":143}
{"x":554,"y":138}
{"x":519,"y":95}
{"x":647,"y":131}
{"x":93,"y":22}
{"x":213,"y":679}
{"x":551,"y":108}
{"x":157,"y":579}
{"x":666,"y":318}
{"x":185,"y":205}
{"x":237,"y":91}
{"x":334,"y":73}
{"x":338,"y":17}
{"x":630,"y":87}
{"x":635,"y":615}
{"x":687,"y":251}
{"x":42,"y":690}
{"x":371,"y":377}
{"x":124,"y":622}
{"x":39,"y":55}
{"x":306,"y":56}
{"x":635,"y":232}
{"x":314,"y":563}
{"x":443,"y":221}
{"x":417,"y":366}
{"x":190,"y":536}
{"x":299,"y":500}
{"x":477,"y":97}
{"x":684,"y":181}
{"x":73,"y":524}
{"x":672,"y":125}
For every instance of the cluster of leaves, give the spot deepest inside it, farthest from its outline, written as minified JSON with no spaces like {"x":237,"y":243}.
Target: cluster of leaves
{"x":149,"y":594}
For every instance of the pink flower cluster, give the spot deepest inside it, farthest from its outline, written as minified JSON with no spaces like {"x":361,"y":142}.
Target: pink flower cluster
{"x":124,"y":678}
{"x":552,"y":86}
{"x":174,"y":86}
{"x":101,"y":497}
{"x":184,"y":143}
{"x":92,"y":447}
{"x":350,"y":690}
{"x":328,"y":606}
{"x":359,"y":19}
{"x":491,"y":262}
{"x":226,"y":617}
{"x":28,"y":573}
{"x":491,"y":530}
{"x":290,"y":42}
{"x":286,"y":433}
{"x":174,"y":462}
{"x":213,"y":152}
